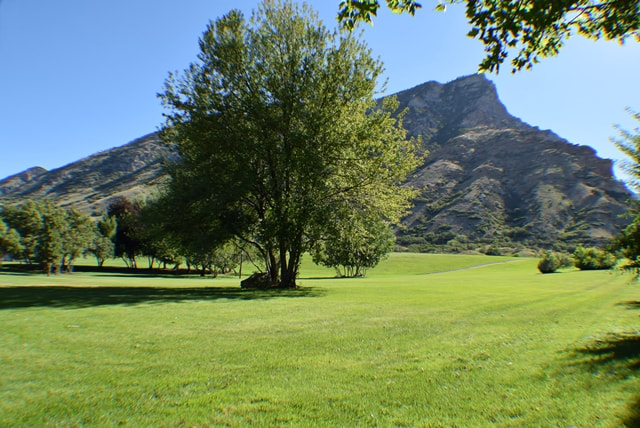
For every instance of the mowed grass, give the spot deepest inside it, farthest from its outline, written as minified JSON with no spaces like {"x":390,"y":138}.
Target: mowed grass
{"x":423,"y":340}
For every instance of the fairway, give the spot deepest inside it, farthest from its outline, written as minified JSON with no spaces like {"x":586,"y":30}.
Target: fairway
{"x":423,"y":340}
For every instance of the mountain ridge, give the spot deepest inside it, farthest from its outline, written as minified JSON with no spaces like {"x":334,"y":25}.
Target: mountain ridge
{"x":489,"y":178}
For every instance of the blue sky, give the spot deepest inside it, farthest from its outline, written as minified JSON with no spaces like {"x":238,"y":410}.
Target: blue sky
{"x":78,"y":77}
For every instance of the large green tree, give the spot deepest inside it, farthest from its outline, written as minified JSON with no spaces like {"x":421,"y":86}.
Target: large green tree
{"x":525,"y":30}
{"x":275,"y":126}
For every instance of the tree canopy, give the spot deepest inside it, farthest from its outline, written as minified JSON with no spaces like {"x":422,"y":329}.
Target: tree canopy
{"x":41,"y":232}
{"x":277,"y":130}
{"x":628,"y":241}
{"x":525,"y":30}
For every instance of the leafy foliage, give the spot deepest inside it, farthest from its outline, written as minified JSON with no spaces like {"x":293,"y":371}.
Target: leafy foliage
{"x":353,"y":11}
{"x":532,"y":29}
{"x":628,"y":241}
{"x":628,"y":142}
{"x":102,"y":246}
{"x":354,"y":243}
{"x":41,"y":232}
{"x":9,"y":241}
{"x":593,"y":258}
{"x":128,"y":236}
{"x":551,"y":262}
{"x":276,"y":126}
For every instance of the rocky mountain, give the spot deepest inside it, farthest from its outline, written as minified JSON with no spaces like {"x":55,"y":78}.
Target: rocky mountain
{"x":490,"y":178}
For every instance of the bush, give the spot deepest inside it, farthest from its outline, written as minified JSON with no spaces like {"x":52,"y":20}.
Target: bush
{"x":548,"y":263}
{"x":592,"y":259}
{"x":551,"y":262}
{"x":493,"y":251}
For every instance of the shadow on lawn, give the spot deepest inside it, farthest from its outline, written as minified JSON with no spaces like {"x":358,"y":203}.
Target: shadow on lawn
{"x":616,"y":355}
{"x":79,"y":297}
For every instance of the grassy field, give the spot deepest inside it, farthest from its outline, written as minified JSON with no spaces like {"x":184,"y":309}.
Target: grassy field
{"x":424,"y":340}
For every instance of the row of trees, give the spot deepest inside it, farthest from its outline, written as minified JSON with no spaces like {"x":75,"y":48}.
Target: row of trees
{"x":54,"y":237}
{"x":41,"y":232}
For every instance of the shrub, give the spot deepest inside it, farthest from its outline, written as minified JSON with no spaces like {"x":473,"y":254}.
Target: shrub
{"x":551,"y":262}
{"x":592,"y":258}
{"x":548,"y":263}
{"x":493,"y":251}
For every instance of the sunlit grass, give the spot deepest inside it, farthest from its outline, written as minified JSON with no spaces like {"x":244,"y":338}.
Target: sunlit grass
{"x":415,"y":343}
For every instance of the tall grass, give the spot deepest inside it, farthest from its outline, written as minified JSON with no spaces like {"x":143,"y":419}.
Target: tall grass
{"x":423,"y":340}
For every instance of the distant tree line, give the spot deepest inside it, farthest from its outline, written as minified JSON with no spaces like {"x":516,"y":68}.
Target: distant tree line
{"x":41,"y":233}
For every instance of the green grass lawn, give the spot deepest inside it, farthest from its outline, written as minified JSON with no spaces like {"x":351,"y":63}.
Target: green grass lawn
{"x":423,"y":340}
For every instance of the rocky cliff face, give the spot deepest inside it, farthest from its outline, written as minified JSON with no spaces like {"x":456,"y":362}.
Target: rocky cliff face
{"x":489,"y":177}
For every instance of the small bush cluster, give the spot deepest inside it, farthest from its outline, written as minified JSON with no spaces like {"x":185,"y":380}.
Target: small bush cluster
{"x":551,"y":262}
{"x":493,"y":251}
{"x":593,"y":259}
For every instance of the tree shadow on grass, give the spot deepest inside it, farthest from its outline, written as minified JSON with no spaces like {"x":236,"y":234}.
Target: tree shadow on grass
{"x":82,"y":297}
{"x":631,"y":304}
{"x":616,"y":355}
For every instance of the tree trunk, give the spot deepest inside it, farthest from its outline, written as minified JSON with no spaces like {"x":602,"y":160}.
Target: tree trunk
{"x":289,"y":269}
{"x":272,"y":268}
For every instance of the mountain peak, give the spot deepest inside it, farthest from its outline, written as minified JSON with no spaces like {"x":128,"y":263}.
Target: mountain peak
{"x":16,"y":181}
{"x":440,"y":111}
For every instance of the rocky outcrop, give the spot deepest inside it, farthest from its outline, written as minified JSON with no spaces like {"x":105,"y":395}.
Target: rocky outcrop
{"x":15,"y":182}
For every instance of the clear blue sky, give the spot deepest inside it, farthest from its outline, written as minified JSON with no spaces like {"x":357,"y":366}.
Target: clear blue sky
{"x":78,"y":76}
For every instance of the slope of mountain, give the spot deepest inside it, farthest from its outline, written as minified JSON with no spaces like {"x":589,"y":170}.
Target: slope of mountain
{"x":489,"y":177}
{"x":131,"y":170}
